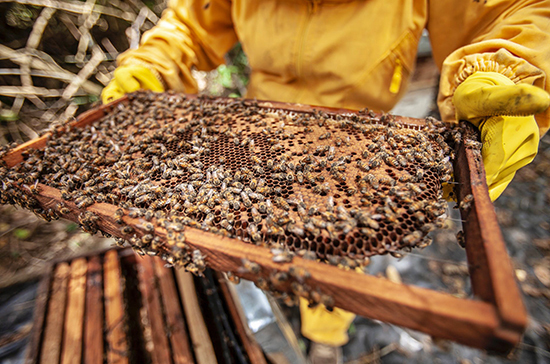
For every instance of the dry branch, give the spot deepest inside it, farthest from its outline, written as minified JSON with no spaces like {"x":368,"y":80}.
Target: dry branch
{"x":90,"y":18}
{"x":97,"y":57}
{"x":135,"y":33}
{"x":76,"y":7}
{"x":32,"y":43}
{"x":14,"y":91}
{"x":45,"y":63}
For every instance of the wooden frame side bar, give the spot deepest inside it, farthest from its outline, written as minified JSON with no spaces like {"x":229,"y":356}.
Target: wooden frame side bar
{"x":493,"y":278}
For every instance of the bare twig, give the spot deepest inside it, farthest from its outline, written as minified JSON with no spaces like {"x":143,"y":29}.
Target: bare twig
{"x":85,"y":41}
{"x":151,"y":16}
{"x":97,"y":57}
{"x":135,"y":33}
{"x":44,"y":62}
{"x":38,"y":29}
{"x":27,"y":130}
{"x":32,"y":43}
{"x":69,"y":23}
{"x":14,"y":91}
{"x":77,"y":7}
{"x":375,"y":355}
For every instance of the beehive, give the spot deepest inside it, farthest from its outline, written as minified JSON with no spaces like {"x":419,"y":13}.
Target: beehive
{"x":339,"y":186}
{"x":147,"y":170}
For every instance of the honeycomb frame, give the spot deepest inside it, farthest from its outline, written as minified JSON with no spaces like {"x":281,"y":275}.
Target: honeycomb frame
{"x":474,"y":323}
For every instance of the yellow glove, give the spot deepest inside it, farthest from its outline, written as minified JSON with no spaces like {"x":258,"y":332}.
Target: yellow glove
{"x":503,"y":112}
{"x":322,"y":326}
{"x":128,"y":79}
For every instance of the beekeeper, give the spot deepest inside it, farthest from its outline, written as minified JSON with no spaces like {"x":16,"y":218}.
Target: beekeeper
{"x":494,"y":56}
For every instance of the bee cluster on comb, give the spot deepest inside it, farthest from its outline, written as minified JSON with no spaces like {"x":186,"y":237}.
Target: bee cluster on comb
{"x":337,"y":187}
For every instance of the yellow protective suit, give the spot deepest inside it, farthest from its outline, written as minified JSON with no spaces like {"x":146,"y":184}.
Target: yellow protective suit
{"x":351,"y":54}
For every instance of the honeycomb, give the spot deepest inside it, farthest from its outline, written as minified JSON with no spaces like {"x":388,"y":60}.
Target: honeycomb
{"x":341,"y":186}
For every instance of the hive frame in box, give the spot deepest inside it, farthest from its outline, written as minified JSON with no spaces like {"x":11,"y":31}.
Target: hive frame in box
{"x":83,"y":293}
{"x":494,"y":320}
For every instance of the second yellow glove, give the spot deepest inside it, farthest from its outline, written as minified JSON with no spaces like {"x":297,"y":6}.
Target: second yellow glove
{"x":130,"y":78}
{"x":489,"y":100}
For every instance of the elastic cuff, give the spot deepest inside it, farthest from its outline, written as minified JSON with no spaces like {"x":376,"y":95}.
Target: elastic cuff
{"x":460,"y":65}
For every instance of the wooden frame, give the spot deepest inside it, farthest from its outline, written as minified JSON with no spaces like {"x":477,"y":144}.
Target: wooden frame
{"x":494,"y":320}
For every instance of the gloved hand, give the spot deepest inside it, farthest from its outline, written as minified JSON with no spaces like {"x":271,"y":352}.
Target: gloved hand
{"x":130,"y":78}
{"x":503,"y":111}
{"x":322,"y":326}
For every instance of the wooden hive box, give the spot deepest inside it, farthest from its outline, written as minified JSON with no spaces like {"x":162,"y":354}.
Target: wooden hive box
{"x":117,"y":307}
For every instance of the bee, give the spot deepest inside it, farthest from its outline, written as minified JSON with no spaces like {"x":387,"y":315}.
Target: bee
{"x":284,"y":219}
{"x":309,"y":177}
{"x":148,"y":227}
{"x":84,"y":202}
{"x":233,"y":278}
{"x":62,"y":208}
{"x":253,"y":184}
{"x":256,"y":217}
{"x":362,"y":166}
{"x":281,"y":256}
{"x":387,"y":180}
{"x":391,"y":161}
{"x":415,"y":206}
{"x":419,"y":215}
{"x":147,"y":239}
{"x":126,"y":230}
{"x":249,"y":267}
{"x":339,"y":176}
{"x":307,"y":254}
{"x":226,"y":225}
{"x":412,"y":238}
{"x":290,"y":176}
{"x":198,"y":260}
{"x":204,"y":209}
{"x":257,"y":169}
{"x":314,"y":299}
{"x":236,"y":205}
{"x":246,"y":200}
{"x":278,"y":278}
{"x":325,"y":136}
{"x":370,"y":222}
{"x":427,"y":241}
{"x":300,"y":273}
{"x":368,"y":232}
{"x":135,"y":213}
{"x":299,"y":289}
{"x":414,"y":188}
{"x":209,"y":219}
{"x":472,"y":144}
{"x":374,"y":162}
{"x":245,"y":142}
{"x":460,"y":239}
{"x":255,"y":235}
{"x":328,"y":302}
{"x":142,"y":199}
{"x":466,"y":202}
{"x":300,"y":177}
{"x":262,"y":284}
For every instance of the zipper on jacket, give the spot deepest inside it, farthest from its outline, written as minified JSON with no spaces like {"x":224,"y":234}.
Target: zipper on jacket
{"x":312,"y":7}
